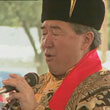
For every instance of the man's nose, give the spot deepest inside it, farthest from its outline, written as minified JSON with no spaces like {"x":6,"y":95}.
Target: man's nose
{"x":48,"y":41}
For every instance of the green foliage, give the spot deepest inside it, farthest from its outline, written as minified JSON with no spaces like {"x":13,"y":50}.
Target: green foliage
{"x":13,"y":13}
{"x":26,"y":14}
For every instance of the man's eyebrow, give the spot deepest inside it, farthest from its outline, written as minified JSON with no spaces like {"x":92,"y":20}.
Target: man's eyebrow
{"x":52,"y":27}
{"x":56,"y":27}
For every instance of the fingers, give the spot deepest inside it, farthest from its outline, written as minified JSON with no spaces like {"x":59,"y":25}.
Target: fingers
{"x":25,"y":96}
{"x":14,"y":75}
{"x":12,"y":78}
{"x":17,"y":81}
{"x":27,"y":102}
{"x":14,"y":95}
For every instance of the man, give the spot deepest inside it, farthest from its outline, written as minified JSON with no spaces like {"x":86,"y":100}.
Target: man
{"x":75,"y":80}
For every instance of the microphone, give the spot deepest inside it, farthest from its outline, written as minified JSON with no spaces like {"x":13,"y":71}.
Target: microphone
{"x":31,"y":78}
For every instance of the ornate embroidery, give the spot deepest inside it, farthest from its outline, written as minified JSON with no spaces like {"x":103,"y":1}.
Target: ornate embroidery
{"x":92,"y":94}
{"x":98,"y":100}
{"x":46,"y":98}
{"x":49,"y":85}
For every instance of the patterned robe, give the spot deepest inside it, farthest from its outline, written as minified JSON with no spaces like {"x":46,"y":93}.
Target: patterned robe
{"x":92,"y":94}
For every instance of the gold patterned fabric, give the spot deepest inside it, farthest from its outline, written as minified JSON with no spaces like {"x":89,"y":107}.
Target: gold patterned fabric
{"x":48,"y":85}
{"x":92,"y":94}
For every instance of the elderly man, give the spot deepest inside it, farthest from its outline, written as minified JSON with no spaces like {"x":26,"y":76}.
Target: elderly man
{"x":75,"y":80}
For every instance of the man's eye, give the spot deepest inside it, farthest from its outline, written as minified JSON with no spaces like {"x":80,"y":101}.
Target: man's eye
{"x":55,"y":34}
{"x":44,"y":33}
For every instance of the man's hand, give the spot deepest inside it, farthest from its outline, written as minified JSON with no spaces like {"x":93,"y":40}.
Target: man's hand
{"x":25,"y":95}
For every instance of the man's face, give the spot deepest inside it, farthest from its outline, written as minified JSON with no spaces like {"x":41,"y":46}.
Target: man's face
{"x":61,"y":46}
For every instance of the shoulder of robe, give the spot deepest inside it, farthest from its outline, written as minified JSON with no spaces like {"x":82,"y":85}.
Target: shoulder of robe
{"x":42,"y":79}
{"x":92,"y":94}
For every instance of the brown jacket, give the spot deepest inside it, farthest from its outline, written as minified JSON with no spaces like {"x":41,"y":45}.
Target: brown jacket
{"x":92,"y":94}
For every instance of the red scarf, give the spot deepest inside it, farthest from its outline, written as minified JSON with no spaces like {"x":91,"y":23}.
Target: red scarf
{"x":87,"y":66}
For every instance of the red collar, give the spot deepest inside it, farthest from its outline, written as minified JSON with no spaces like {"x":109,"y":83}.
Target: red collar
{"x":88,"y":65}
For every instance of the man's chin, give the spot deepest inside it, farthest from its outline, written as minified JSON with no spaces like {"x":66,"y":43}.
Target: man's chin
{"x":57,"y":75}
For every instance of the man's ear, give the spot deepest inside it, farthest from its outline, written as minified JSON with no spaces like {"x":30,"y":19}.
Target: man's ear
{"x":87,"y":40}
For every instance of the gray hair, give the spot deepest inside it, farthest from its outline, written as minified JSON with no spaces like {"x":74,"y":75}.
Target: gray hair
{"x":80,"y":29}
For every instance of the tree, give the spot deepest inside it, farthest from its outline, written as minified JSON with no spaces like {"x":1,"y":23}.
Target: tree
{"x":109,"y":24}
{"x":26,"y":14}
{"x":104,"y":46}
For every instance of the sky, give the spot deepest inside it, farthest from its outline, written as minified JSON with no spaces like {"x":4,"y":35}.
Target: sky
{"x":14,"y":41}
{"x":14,"y":44}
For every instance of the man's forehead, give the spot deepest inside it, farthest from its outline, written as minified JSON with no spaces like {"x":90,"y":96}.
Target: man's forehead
{"x":54,"y":24}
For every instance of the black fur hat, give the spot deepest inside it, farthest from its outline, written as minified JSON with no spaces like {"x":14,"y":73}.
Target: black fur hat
{"x":86,"y":12}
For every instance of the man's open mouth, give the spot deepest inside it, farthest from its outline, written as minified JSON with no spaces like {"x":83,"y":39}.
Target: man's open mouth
{"x":49,"y":57}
